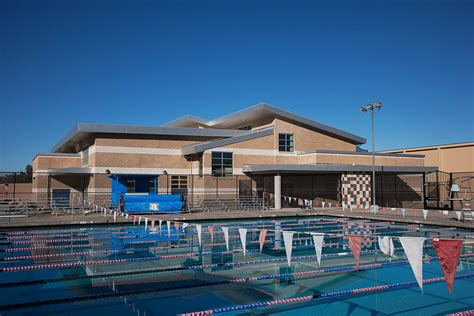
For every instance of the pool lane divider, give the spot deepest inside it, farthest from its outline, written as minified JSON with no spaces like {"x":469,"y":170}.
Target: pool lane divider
{"x":193,"y":267}
{"x":321,"y":296}
{"x":235,"y":281}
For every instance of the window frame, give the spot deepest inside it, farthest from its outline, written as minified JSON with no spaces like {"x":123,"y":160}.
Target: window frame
{"x":287,"y":148}
{"x":179,"y":182}
{"x":219,"y":169}
{"x":85,"y":157}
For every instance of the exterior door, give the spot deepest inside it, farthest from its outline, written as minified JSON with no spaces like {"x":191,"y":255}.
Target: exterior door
{"x":245,"y":188}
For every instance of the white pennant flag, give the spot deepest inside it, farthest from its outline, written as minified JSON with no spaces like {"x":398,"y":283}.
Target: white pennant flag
{"x":168,"y":223}
{"x":413,"y":247}
{"x":199,"y":231}
{"x":459,"y":214}
{"x":445,"y":212}
{"x":403,"y":212}
{"x":226,"y":236}
{"x":425,"y":213}
{"x":386,"y":245}
{"x":146,"y":223}
{"x":318,"y":246}
{"x":160,"y":221}
{"x":139,"y":220}
{"x":243,"y":239}
{"x":115,"y":217}
{"x":288,"y":240}
{"x":185,"y":225}
{"x":126,"y":216}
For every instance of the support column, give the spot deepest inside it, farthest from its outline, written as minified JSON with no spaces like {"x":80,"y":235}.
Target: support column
{"x":277,"y":183}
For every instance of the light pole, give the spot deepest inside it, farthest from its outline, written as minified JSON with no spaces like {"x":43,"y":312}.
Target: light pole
{"x":372,"y":108}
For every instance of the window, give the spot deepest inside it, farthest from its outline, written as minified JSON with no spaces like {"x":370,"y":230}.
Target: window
{"x":131,"y":186}
{"x":200,"y":167}
{"x":246,"y":128}
{"x":179,"y":182}
{"x":285,"y":142}
{"x":221,"y":164}
{"x":152,"y":184}
{"x":85,"y":157}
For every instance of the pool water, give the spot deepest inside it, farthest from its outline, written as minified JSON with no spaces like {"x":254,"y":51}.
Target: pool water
{"x":130,"y":270}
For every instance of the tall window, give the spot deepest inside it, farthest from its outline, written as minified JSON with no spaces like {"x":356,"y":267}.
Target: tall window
{"x":85,"y":157}
{"x":131,"y":185}
{"x":179,"y":182}
{"x":200,"y":167}
{"x":221,"y":164}
{"x":285,"y":142}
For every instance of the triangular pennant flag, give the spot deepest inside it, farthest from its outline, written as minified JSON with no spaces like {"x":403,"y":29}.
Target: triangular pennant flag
{"x":288,"y":240}
{"x":146,"y":222}
{"x":355,"y":243}
{"x":225,"y":230}
{"x":448,"y":252}
{"x":445,"y":212}
{"x":152,"y":224}
{"x":139,"y":220}
{"x":261,"y":238}
{"x":243,"y":239}
{"x":168,"y":225}
{"x":126,"y":216}
{"x":403,"y":212}
{"x":159,"y":224}
{"x":115,"y":217}
{"x":176,"y":226}
{"x":199,"y":232}
{"x":413,"y":247}
{"x":318,"y":246}
{"x":134,"y":219}
{"x":210,"y":228}
{"x":425,"y":214}
{"x":185,"y":225}
{"x":386,"y":245}
{"x":459,"y":215}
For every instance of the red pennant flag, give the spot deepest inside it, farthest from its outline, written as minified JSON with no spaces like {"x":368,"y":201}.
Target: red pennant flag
{"x":355,"y":243}
{"x":414,"y":213}
{"x":211,"y":231}
{"x":176,"y":225}
{"x":448,"y":252}
{"x":261,"y":238}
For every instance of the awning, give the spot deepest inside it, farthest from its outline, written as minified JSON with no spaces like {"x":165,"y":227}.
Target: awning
{"x":322,"y":168}
{"x":63,"y":171}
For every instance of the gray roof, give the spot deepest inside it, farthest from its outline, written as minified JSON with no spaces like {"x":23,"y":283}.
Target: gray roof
{"x":315,"y":168}
{"x":196,"y":148}
{"x":82,"y":131}
{"x":264,"y":109}
{"x":361,"y":153}
{"x":186,"y":120}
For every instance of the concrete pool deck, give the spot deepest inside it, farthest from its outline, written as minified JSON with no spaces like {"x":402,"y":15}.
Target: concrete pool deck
{"x":435,"y":218}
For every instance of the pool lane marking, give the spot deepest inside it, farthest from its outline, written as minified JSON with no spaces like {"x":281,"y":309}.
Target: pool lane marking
{"x":321,"y":296}
{"x":226,"y":282}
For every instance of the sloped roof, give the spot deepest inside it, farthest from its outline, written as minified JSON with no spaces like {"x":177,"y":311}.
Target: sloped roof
{"x":264,"y":110}
{"x":82,"y":131}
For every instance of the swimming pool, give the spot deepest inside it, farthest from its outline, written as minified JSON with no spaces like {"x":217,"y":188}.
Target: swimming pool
{"x":130,"y":270}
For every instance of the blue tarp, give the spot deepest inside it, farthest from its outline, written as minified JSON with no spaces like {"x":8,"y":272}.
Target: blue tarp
{"x":152,"y":203}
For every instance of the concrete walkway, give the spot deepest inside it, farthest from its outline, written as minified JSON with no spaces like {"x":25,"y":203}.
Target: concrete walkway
{"x":435,"y":218}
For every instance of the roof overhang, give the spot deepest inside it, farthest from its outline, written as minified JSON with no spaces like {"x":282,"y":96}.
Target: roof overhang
{"x":330,"y":168}
{"x":197,"y":148}
{"x":260,"y":111}
{"x":70,"y":171}
{"x":80,"y":132}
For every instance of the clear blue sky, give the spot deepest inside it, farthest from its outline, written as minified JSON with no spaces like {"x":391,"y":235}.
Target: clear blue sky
{"x":148,"y":62}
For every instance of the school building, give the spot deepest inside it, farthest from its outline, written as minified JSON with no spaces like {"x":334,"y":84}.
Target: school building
{"x":260,"y":151}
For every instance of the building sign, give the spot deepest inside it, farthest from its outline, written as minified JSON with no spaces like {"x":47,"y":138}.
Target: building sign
{"x":154,"y":206}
